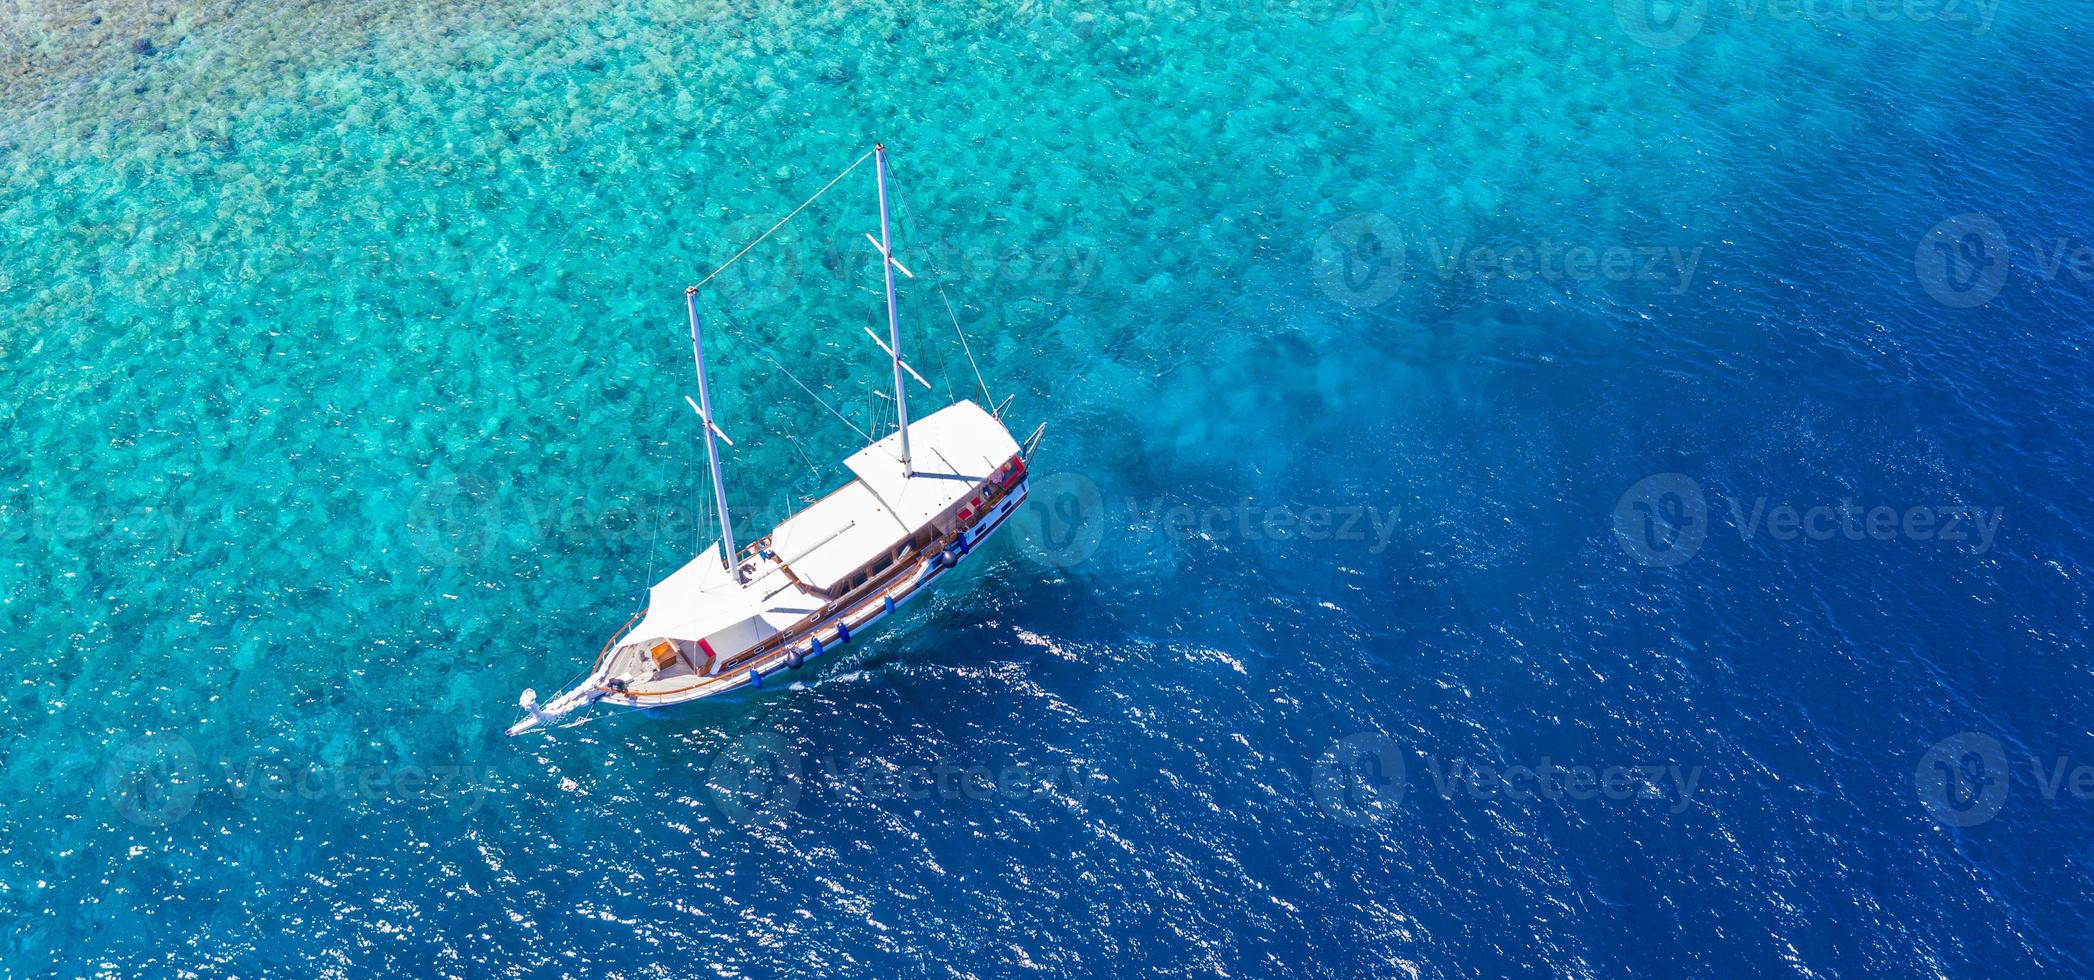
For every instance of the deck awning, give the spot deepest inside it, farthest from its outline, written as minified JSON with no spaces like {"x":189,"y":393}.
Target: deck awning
{"x":694,"y":602}
{"x":825,"y":543}
{"x":954,"y":449}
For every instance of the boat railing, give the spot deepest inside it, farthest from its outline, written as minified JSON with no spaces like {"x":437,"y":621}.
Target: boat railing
{"x":612,"y":643}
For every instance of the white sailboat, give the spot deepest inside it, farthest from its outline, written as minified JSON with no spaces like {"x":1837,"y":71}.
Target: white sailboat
{"x":919,"y":501}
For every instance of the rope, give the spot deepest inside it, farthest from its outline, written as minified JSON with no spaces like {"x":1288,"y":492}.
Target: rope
{"x":812,"y":470}
{"x":987,"y":398}
{"x":781,"y":221}
{"x":761,"y":349}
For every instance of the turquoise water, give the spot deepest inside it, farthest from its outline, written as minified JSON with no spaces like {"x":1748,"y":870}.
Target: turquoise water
{"x":345,"y":359}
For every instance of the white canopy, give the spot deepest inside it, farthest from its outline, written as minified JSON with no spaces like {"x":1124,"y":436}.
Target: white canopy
{"x":695,"y":602}
{"x":955,"y":448}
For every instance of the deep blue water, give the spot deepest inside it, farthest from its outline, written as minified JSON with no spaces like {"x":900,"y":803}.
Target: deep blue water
{"x":1529,"y":488}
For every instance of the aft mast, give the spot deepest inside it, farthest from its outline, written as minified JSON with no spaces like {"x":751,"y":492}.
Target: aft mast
{"x":704,"y":407}
{"x":894,"y":330}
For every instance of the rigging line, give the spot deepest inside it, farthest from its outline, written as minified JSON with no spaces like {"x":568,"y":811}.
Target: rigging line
{"x":765,"y":350}
{"x":812,"y":470}
{"x":873,"y":418}
{"x":781,"y":221}
{"x":909,"y":217}
{"x":986,"y":397}
{"x":654,"y":549}
{"x":810,"y":393}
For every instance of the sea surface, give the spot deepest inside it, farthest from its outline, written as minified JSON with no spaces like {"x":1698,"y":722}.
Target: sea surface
{"x":1529,"y":488}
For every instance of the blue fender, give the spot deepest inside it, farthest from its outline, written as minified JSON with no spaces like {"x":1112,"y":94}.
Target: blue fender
{"x":843,"y":632}
{"x":755,"y":677}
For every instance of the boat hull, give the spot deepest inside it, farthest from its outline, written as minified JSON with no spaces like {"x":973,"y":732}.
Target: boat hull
{"x":801,"y":646}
